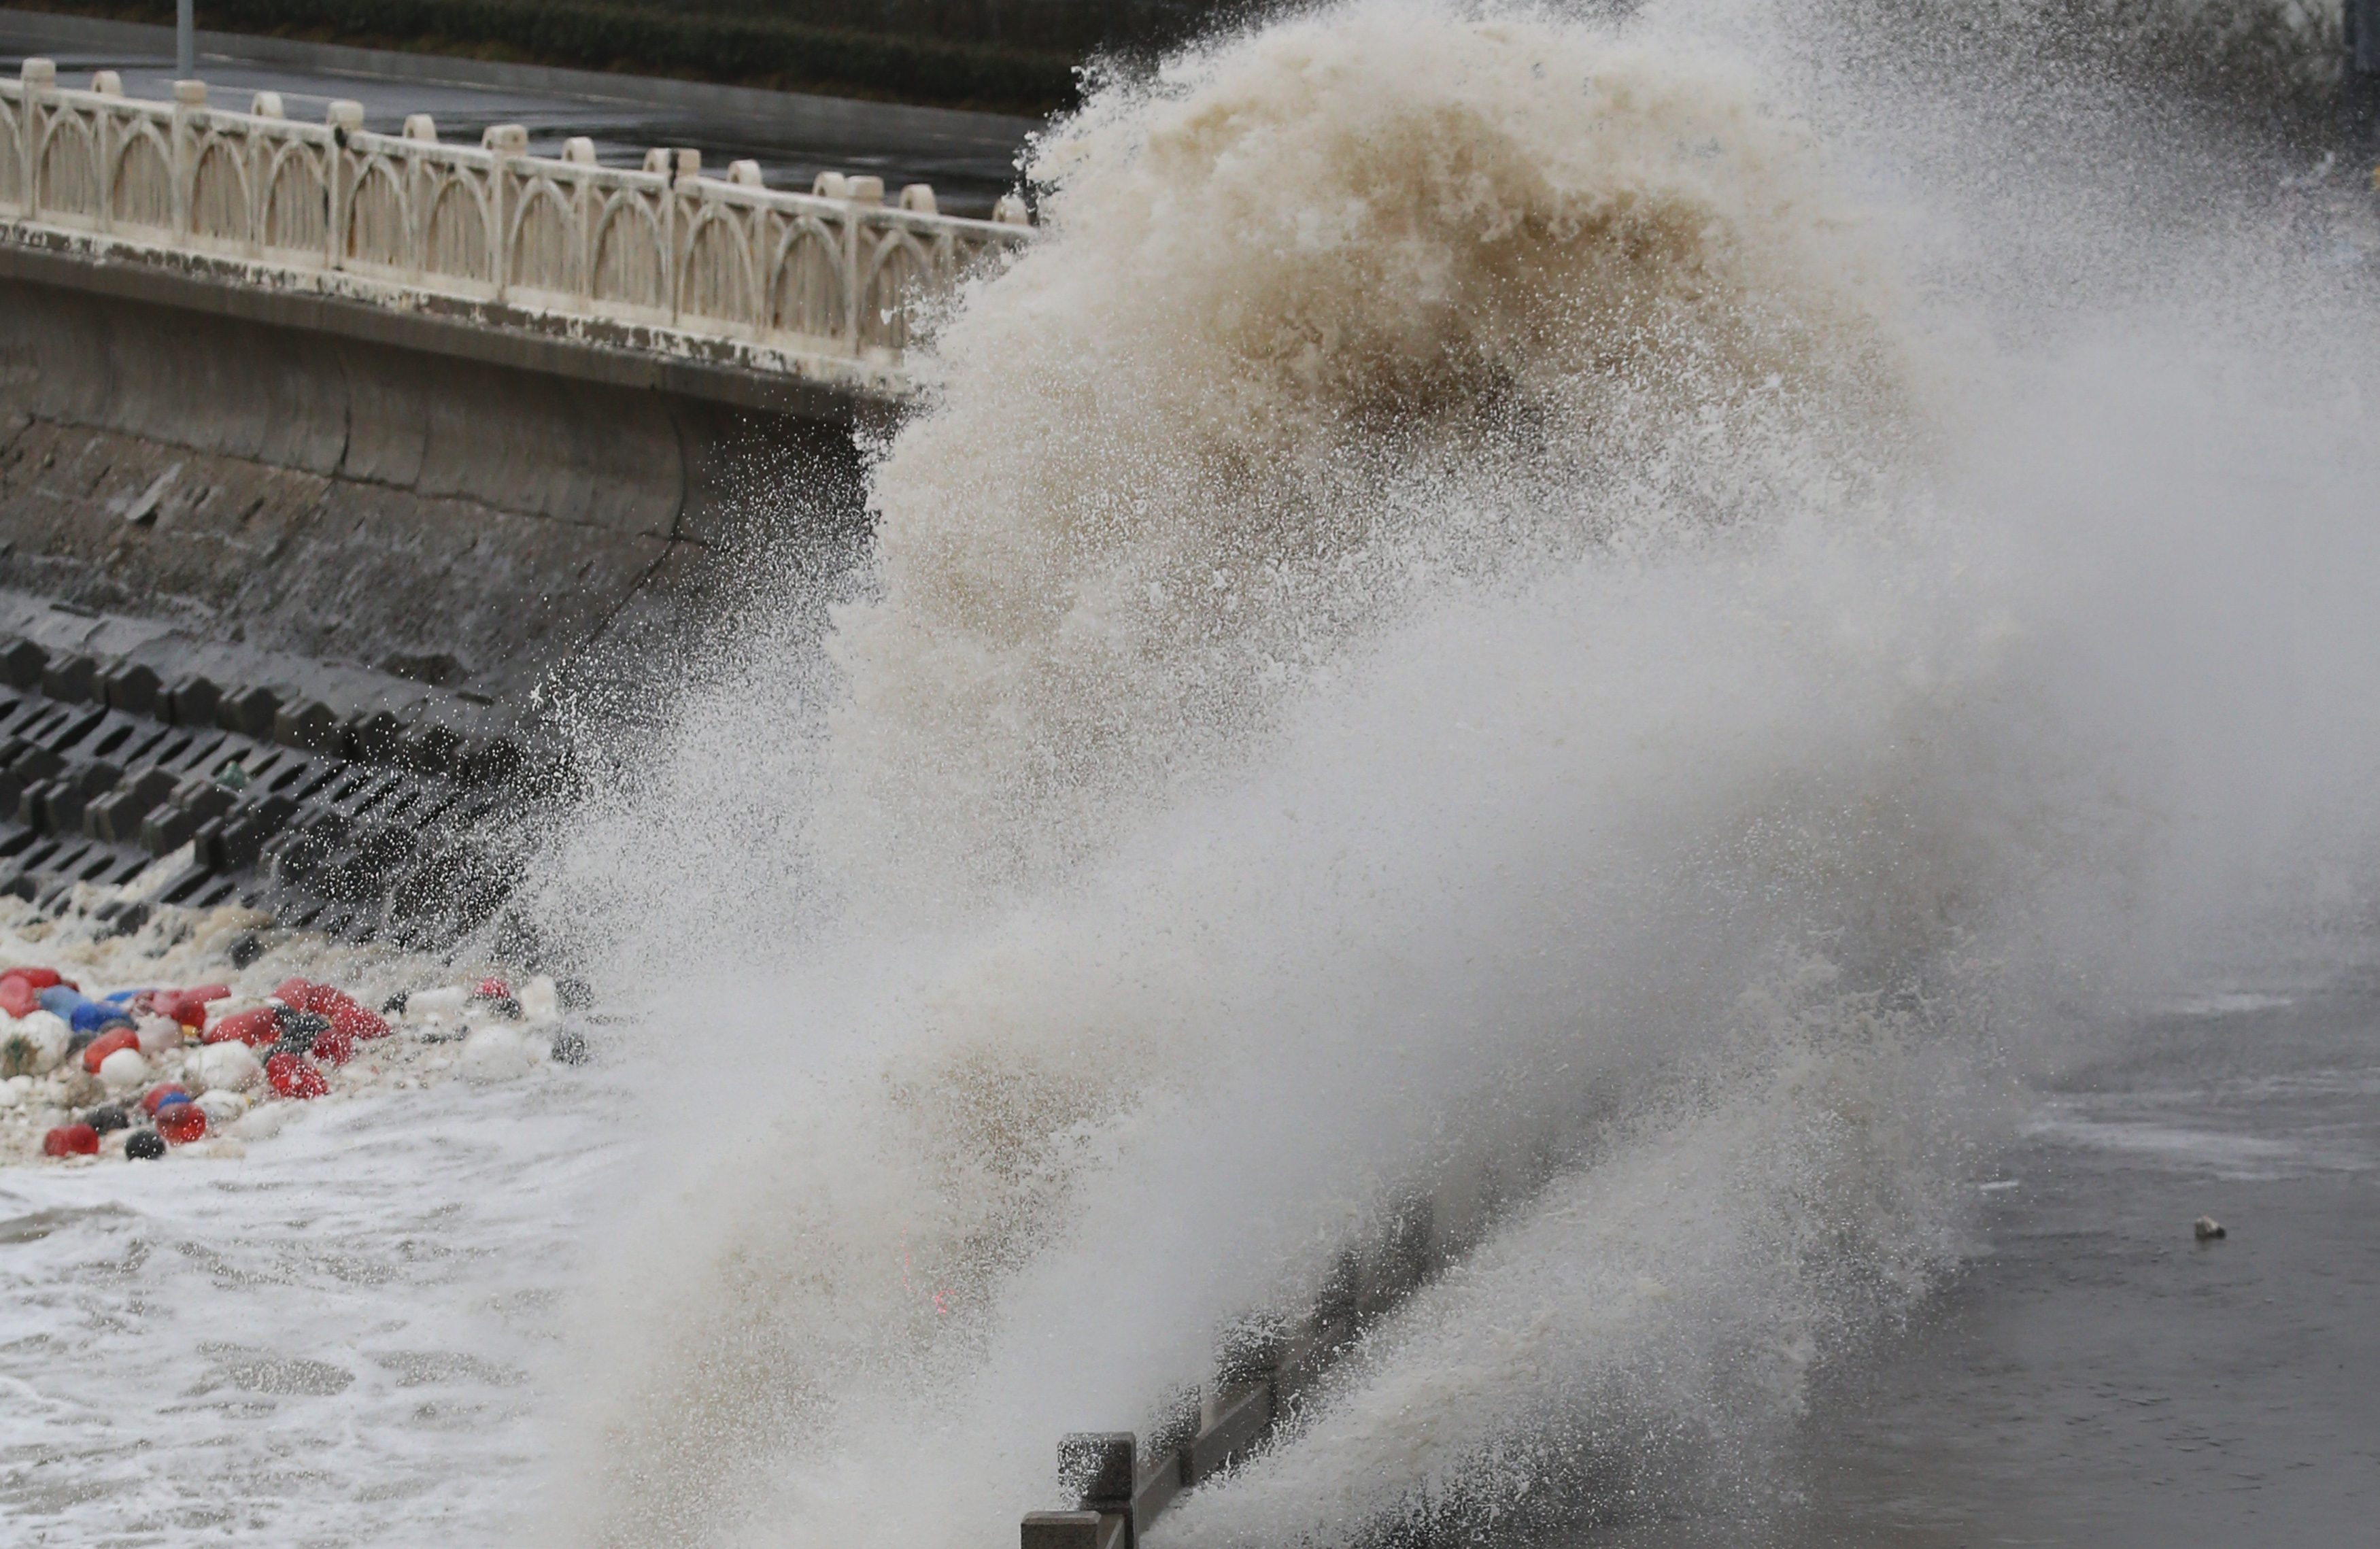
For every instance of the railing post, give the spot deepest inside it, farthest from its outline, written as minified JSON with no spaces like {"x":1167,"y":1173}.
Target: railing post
{"x":419,"y":180}
{"x":97,"y":142}
{"x":345,"y":116}
{"x":579,"y":151}
{"x":1205,"y":1435}
{"x":759,"y":242}
{"x":862,"y":194}
{"x":1096,"y":1468}
{"x":752,"y":225}
{"x":1060,"y":1530}
{"x":39,"y":77}
{"x":503,"y":142}
{"x":267,"y":105}
{"x":686,"y":173}
{"x":852,"y":299}
{"x":189,"y":121}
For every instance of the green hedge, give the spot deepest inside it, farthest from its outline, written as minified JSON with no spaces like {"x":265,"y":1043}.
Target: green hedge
{"x":737,"y":48}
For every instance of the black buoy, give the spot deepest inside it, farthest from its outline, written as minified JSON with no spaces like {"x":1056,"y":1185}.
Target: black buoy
{"x":106,"y":1118}
{"x":144,"y":1145}
{"x":299,"y":1030}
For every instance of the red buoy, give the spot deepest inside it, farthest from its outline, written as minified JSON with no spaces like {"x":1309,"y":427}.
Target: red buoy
{"x":187,"y":1007}
{"x":157,"y":1096}
{"x":181,"y":1123}
{"x":347,"y":1014}
{"x":107,"y":1044}
{"x":334,"y":1046}
{"x":71,"y":1140}
{"x":293,"y":1077}
{"x":20,"y":989}
{"x":256,"y":1029}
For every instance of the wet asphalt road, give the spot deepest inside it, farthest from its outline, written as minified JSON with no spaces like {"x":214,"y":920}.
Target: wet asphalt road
{"x":968,"y":169}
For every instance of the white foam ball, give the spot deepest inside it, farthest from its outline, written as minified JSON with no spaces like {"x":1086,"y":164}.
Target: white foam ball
{"x":157,"y":1034}
{"x":263,"y":1123}
{"x":494,"y":1053}
{"x":15,"y":1089}
{"x":122,"y":1069}
{"x":446,"y":1000}
{"x":227,"y":1067}
{"x":33,"y":1043}
{"x":540,"y":1001}
{"x":223,"y":1107}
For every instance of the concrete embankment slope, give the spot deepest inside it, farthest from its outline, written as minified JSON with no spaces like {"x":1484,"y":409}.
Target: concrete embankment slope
{"x":272,"y":598}
{"x":336,"y":497}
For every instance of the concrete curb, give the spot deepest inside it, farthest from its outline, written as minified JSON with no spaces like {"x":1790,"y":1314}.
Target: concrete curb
{"x":476,"y":333}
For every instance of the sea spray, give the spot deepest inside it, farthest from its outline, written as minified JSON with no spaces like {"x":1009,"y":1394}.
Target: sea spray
{"x":1642,"y":1328}
{"x":1615,"y":642}
{"x":1301,"y":360}
{"x":1323,"y":318}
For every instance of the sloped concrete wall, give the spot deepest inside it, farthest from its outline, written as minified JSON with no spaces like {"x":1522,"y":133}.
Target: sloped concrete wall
{"x":354,"y":500}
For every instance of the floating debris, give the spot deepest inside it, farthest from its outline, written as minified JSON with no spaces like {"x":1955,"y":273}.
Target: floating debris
{"x":209,"y":1065}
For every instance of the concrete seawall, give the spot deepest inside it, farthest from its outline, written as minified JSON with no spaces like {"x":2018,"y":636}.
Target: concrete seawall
{"x":342,"y":498}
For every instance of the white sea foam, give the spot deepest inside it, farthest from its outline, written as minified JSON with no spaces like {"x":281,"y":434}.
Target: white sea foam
{"x":339,"y":1340}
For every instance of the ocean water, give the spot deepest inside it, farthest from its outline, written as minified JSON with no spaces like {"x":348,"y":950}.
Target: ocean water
{"x":1734,"y":637}
{"x":2092,"y":1374}
{"x":360,"y":1333}
{"x":341,"y":1337}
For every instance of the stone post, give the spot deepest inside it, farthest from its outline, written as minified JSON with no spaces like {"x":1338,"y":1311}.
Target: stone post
{"x":256,"y":152}
{"x":345,"y":117}
{"x":685,"y":169}
{"x":1096,"y":1469}
{"x":503,"y":142}
{"x":40,"y":76}
{"x":584,"y":200}
{"x":1060,"y":1530}
{"x":189,"y":122}
{"x":852,"y":300}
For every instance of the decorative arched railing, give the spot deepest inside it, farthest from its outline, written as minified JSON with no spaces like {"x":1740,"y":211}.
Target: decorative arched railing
{"x":401,"y":219}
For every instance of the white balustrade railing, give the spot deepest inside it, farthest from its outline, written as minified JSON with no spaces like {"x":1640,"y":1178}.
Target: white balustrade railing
{"x":833,"y":273}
